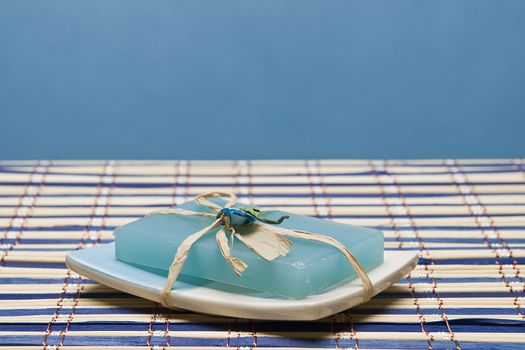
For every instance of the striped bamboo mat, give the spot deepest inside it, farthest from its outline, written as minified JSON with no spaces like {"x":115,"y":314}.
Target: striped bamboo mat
{"x":465,"y":217}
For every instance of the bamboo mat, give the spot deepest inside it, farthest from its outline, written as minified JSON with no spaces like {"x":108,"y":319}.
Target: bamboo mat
{"x":466,"y":218}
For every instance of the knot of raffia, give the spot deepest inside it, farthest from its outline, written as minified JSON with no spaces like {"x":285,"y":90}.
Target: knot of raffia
{"x":249,"y":226}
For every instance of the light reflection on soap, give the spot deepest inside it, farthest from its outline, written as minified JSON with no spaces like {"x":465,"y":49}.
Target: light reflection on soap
{"x":150,"y":243}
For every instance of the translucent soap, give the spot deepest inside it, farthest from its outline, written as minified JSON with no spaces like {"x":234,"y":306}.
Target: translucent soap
{"x":150,"y":243}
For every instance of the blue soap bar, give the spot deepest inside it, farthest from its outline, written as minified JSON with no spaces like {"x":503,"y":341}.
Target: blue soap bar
{"x":309,"y":268}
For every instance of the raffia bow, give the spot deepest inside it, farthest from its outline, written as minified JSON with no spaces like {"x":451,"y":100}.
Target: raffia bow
{"x":268,"y":241}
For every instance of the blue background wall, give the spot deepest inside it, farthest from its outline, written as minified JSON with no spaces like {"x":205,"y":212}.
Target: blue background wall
{"x":261,"y":79}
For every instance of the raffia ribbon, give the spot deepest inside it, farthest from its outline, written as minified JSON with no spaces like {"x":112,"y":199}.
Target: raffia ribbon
{"x":268,"y":241}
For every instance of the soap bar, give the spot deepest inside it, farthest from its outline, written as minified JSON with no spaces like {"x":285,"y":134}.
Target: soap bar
{"x":309,"y":268}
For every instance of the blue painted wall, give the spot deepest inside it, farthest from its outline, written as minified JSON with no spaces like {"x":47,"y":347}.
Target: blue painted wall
{"x":261,"y":79}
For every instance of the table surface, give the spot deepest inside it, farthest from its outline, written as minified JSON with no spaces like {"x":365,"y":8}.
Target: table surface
{"x":465,"y":217}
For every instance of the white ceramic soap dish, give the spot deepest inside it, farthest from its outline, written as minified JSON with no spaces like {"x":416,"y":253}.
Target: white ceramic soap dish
{"x":100,"y":264}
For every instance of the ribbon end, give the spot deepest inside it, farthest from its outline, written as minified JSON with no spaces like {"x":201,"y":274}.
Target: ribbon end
{"x":238,"y":265}
{"x":265,"y":240}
